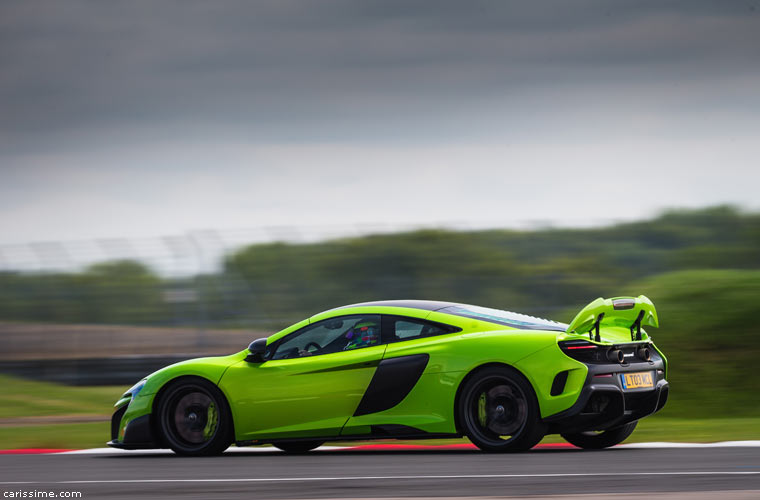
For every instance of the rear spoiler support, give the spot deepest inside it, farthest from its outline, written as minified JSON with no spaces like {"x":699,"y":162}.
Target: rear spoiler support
{"x":597,"y":337}
{"x":635,"y":326}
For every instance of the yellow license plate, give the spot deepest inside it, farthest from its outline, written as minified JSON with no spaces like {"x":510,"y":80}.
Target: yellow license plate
{"x":637,"y":380}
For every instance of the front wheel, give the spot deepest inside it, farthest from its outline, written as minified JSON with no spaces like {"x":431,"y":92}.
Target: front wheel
{"x":194,"y":418}
{"x":593,"y":440}
{"x":296,"y":447}
{"x":498,"y":411}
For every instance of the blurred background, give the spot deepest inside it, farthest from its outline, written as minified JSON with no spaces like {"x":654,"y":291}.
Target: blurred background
{"x":112,"y":322}
{"x":180,"y":178}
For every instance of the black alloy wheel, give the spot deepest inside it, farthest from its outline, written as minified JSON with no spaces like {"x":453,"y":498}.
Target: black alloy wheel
{"x":499,"y":412}
{"x":194,"y":418}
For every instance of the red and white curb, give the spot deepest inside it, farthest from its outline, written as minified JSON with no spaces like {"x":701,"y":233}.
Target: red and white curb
{"x":375,"y":447}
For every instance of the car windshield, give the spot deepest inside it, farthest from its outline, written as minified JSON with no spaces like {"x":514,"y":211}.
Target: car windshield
{"x":507,"y":318}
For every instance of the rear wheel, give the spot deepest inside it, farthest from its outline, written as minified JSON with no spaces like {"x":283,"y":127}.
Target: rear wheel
{"x":593,"y":440}
{"x":499,"y":412}
{"x":297,"y":446}
{"x":194,"y":418}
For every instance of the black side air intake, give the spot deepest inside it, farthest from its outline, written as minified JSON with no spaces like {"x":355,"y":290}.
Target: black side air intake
{"x":393,"y":380}
{"x":116,"y":421}
{"x":558,"y":385}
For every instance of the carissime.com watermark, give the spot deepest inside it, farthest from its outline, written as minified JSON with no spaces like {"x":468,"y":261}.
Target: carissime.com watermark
{"x":41,"y":494}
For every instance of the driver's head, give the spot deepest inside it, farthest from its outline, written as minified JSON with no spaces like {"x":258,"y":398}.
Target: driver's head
{"x":362,"y":334}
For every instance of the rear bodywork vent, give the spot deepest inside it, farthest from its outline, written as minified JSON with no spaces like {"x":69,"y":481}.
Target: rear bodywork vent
{"x":558,"y":385}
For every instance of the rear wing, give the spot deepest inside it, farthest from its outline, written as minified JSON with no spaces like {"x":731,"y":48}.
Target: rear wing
{"x":628,"y":312}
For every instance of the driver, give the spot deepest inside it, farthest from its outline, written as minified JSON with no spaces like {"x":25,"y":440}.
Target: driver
{"x":362,"y":334}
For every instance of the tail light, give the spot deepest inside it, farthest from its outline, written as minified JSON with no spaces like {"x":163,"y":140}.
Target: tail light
{"x":587,"y":352}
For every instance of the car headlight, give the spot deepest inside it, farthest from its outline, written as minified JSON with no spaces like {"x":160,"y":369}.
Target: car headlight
{"x":135,"y":389}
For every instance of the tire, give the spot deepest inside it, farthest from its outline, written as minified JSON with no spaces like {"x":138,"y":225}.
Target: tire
{"x":194,"y":418}
{"x":597,"y":440}
{"x":296,"y":447}
{"x":498,"y":411}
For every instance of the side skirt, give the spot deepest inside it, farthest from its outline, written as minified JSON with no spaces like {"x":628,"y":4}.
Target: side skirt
{"x":378,"y":432}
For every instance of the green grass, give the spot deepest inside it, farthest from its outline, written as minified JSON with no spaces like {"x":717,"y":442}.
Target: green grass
{"x":22,"y":398}
{"x":60,"y":436}
{"x":701,"y":430}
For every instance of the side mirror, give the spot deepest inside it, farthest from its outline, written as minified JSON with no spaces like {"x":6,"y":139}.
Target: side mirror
{"x":257,"y":349}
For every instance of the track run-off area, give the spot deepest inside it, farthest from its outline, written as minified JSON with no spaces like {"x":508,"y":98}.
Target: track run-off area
{"x":676,"y":470}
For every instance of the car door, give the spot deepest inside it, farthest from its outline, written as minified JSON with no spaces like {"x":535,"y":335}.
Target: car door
{"x":310,"y":383}
{"x":400,"y":393}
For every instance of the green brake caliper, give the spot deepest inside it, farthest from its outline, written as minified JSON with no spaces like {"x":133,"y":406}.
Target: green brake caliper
{"x":211,"y":419}
{"x":482,"y":416}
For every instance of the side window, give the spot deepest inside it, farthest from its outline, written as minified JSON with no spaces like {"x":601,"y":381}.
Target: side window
{"x":331,"y":335}
{"x":402,"y":328}
{"x":408,"y":329}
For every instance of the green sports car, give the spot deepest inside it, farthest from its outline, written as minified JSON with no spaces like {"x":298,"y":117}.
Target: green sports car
{"x":410,"y":369}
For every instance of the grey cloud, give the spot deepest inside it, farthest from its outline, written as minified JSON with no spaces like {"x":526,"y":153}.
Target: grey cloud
{"x":347,"y":70}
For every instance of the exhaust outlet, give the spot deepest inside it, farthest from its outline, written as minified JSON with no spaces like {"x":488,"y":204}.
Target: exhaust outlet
{"x":643,"y":353}
{"x":616,"y":355}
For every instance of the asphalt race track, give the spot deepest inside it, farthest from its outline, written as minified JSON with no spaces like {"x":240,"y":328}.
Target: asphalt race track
{"x":372,"y":473}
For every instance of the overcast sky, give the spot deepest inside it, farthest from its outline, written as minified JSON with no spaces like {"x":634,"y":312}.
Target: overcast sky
{"x":135,"y":118}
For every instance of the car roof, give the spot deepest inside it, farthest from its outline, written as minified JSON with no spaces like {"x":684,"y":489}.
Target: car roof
{"x":425,"y":305}
{"x":507,"y":318}
{"x":425,"y":308}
